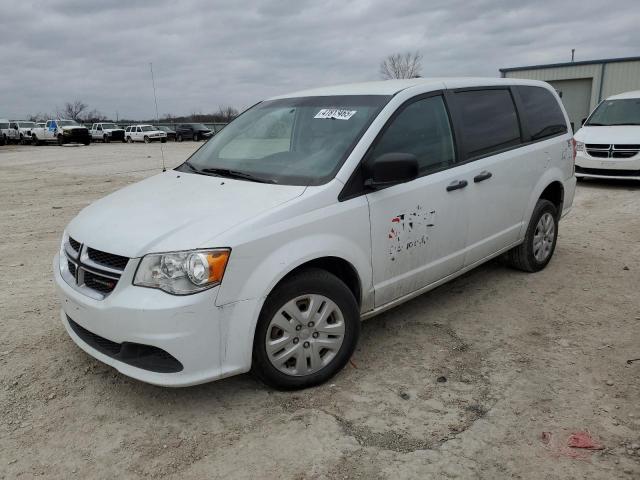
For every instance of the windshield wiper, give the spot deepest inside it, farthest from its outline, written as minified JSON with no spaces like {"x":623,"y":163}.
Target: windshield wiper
{"x":225,"y":172}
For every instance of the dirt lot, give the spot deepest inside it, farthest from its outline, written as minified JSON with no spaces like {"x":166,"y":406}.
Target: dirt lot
{"x":522,"y":354}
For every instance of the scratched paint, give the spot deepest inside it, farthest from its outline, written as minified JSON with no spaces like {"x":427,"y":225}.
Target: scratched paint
{"x":410,"y":230}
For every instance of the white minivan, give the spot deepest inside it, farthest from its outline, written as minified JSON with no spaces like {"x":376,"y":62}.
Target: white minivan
{"x":308,"y":213}
{"x":608,"y":144}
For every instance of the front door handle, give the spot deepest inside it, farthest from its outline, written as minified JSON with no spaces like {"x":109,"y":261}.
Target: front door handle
{"x":484,"y":175}
{"x":456,"y":185}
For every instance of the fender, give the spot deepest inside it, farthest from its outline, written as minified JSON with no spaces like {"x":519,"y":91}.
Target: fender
{"x":553,"y":174}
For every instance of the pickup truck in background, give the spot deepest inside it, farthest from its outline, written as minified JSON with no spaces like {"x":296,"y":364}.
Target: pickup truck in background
{"x":4,"y":127}
{"x":107,"y":132}
{"x":61,"y":131}
{"x":24,"y":129}
{"x":11,"y":134}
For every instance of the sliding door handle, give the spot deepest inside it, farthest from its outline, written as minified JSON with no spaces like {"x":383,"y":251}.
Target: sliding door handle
{"x":484,"y":175}
{"x":456,"y":185}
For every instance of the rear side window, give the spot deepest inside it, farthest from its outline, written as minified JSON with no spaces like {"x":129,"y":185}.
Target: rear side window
{"x":542,"y":114}
{"x":422,"y":129}
{"x":489,"y":121}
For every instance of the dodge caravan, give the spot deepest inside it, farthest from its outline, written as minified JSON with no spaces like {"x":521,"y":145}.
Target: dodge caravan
{"x":308,"y":213}
{"x":608,"y":144}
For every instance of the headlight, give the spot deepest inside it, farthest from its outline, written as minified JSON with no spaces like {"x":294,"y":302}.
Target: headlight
{"x":182,"y":273}
{"x":579,"y":147}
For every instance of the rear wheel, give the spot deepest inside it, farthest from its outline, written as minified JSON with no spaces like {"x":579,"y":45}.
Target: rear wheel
{"x":536,"y":251}
{"x":129,"y":140}
{"x":307,"y":331}
{"x":106,"y":139}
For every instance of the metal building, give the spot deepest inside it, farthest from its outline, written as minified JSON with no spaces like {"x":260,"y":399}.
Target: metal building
{"x":582,"y":85}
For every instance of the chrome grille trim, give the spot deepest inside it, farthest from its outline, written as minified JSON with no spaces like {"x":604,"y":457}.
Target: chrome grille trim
{"x":77,"y":264}
{"x":618,"y":150}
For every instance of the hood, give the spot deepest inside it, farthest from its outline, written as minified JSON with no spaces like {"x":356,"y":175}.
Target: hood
{"x":72,"y":127}
{"x":623,"y":134}
{"x":174,"y":211}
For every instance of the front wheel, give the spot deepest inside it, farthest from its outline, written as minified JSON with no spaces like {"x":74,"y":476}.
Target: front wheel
{"x":147,"y":139}
{"x":60,"y":140}
{"x":106,"y":139}
{"x":307,"y":331}
{"x":196,"y":138}
{"x":129,"y":140}
{"x":536,"y":251}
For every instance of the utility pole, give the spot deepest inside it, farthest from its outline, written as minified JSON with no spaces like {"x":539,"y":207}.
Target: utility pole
{"x":573,"y":51}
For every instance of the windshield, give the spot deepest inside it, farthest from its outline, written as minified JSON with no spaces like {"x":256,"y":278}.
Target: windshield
{"x":26,"y":124}
{"x":146,"y":128}
{"x":66,"y":123}
{"x":292,"y":141}
{"x":109,"y":126}
{"x":616,"y":112}
{"x":199,"y":126}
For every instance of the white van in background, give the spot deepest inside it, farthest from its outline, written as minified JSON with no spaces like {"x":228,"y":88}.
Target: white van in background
{"x":307,"y":213}
{"x":608,"y":144}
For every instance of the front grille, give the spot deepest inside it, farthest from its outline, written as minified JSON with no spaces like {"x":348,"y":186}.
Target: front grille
{"x":93,"y":269}
{"x":98,"y":282}
{"x":107,"y":259}
{"x":608,"y":172}
{"x":74,"y":244}
{"x":618,"y":150}
{"x":146,"y":357}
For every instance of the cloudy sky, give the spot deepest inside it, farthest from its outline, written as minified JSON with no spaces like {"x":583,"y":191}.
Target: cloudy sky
{"x":211,"y":53}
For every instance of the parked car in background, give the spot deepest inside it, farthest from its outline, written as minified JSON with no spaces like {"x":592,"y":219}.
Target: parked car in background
{"x":171,"y":134}
{"x":308,"y":213}
{"x":13,"y":135}
{"x":107,"y":132}
{"x":4,"y":130}
{"x":144,"y":133}
{"x":193,"y":131}
{"x":608,"y":143}
{"x":24,"y":130}
{"x":62,"y":131}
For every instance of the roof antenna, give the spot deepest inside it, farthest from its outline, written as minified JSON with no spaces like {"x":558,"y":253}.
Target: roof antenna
{"x":155,"y":99}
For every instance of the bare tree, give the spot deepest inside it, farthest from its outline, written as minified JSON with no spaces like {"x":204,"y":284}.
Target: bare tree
{"x":226,"y":113}
{"x":401,"y":65}
{"x":94,"y":116}
{"x":73,"y":110}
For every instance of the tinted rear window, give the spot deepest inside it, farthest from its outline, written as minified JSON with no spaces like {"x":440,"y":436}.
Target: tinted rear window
{"x":542,"y":114}
{"x":489,"y":121}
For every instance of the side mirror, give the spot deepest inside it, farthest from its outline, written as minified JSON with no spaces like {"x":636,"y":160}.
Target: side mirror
{"x":391,"y":169}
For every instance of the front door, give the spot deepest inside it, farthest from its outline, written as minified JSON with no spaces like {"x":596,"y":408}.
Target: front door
{"x":418,"y":228}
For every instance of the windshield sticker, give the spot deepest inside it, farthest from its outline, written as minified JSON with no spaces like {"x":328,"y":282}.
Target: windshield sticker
{"x":335,"y":113}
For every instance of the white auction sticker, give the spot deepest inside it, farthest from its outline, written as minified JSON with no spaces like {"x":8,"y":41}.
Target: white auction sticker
{"x":335,"y":113}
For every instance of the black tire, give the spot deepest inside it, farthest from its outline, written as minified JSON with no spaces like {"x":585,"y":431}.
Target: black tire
{"x":34,"y":140}
{"x":106,"y":139}
{"x":129,"y":140}
{"x":124,"y":140}
{"x":164,"y":140}
{"x":310,"y":281}
{"x":60,"y":140}
{"x":179,"y":138}
{"x":147,"y":139}
{"x":522,"y":257}
{"x":196,"y":137}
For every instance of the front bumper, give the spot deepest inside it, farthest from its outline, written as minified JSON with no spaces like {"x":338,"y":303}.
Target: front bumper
{"x":614,"y":168}
{"x":209,"y":342}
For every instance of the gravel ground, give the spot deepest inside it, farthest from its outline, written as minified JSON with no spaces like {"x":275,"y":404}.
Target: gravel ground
{"x":520,"y":354}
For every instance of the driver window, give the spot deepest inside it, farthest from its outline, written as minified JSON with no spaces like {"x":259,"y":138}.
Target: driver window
{"x":422,"y":129}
